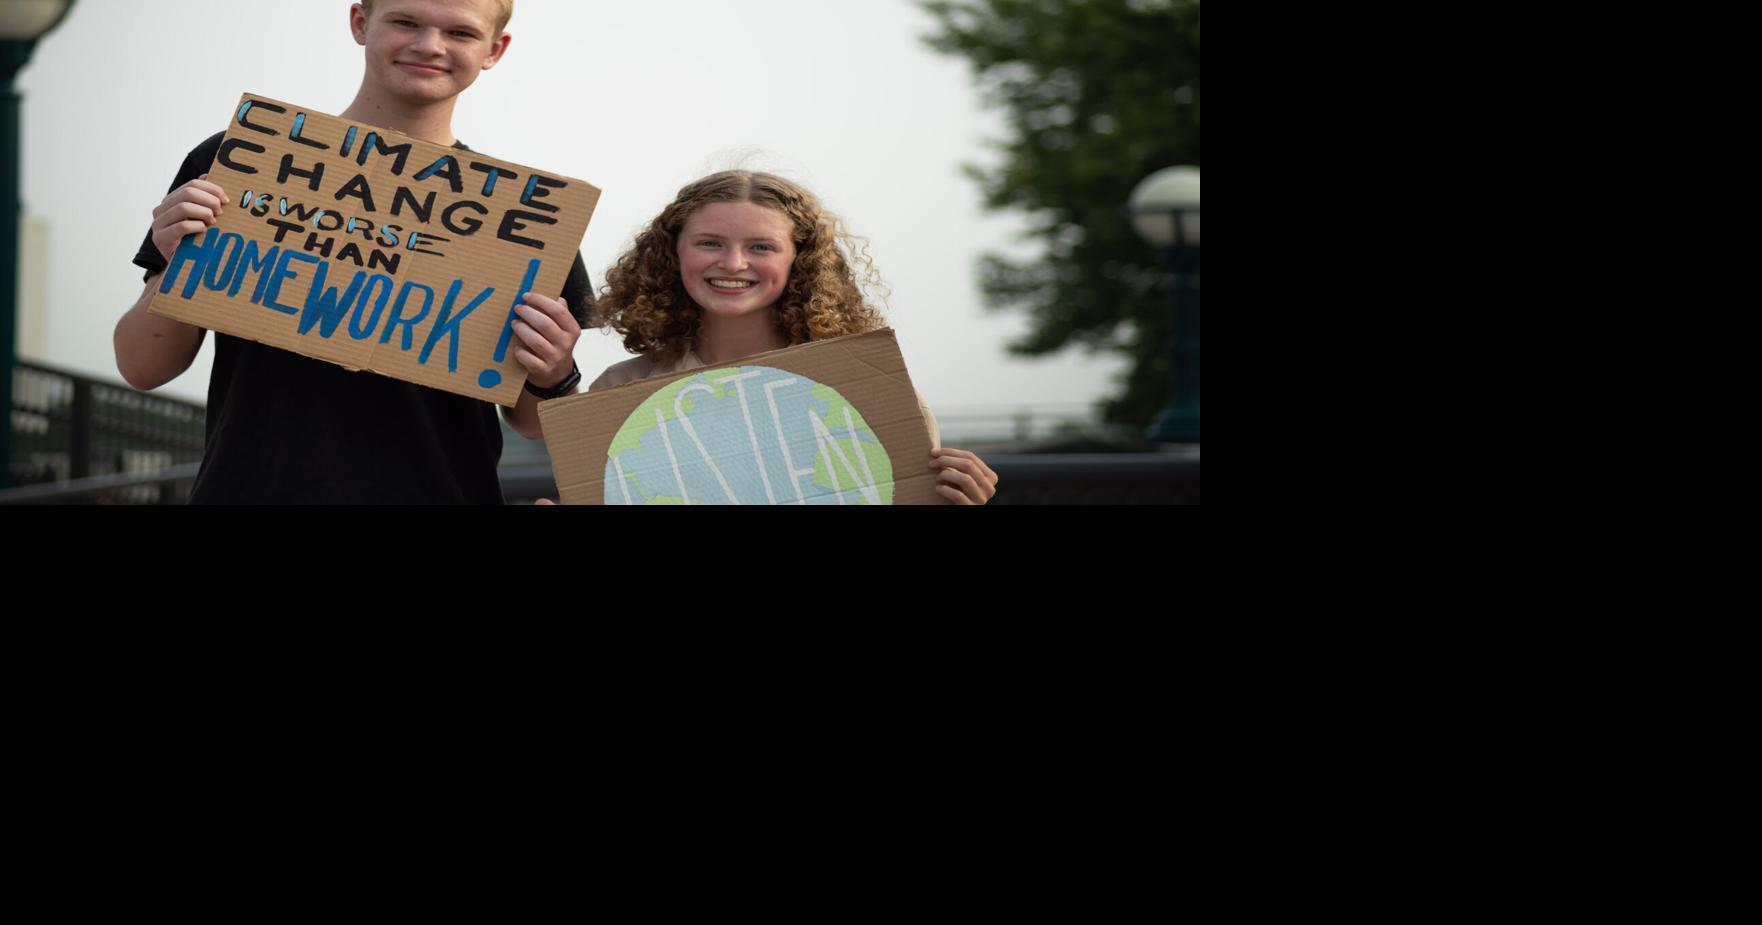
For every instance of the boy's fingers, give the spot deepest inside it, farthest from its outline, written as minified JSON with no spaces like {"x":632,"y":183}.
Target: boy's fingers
{"x":532,"y":363}
{"x":193,"y":198}
{"x":166,"y":238}
{"x":534,"y":341}
{"x":209,"y":198}
{"x":557,"y":309}
{"x":543,"y":323}
{"x":187,"y":211}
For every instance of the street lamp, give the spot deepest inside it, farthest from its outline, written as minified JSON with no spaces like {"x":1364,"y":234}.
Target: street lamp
{"x":22,"y":23}
{"x":1165,"y":212}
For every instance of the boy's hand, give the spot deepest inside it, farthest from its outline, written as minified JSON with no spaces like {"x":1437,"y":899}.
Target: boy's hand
{"x":962,"y":477}
{"x":184,"y":211}
{"x":547,"y":335}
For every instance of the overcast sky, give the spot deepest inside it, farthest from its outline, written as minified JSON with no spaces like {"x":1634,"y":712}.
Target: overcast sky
{"x":635,"y":98}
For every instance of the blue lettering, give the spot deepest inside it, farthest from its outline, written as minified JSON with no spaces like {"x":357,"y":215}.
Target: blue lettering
{"x":434,"y":168}
{"x":508,"y":325}
{"x":251,"y":262}
{"x":397,"y":319}
{"x":323,"y":308}
{"x":283,"y":274}
{"x":535,"y":191}
{"x":198,"y":255}
{"x":300,"y":127}
{"x":356,"y":329}
{"x":301,"y":213}
{"x":237,"y":244}
{"x":448,"y":323}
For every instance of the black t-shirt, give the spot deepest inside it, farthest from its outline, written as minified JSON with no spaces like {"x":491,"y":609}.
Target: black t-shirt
{"x":288,"y":429}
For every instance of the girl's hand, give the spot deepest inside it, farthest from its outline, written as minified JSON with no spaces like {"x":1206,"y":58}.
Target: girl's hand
{"x":547,"y":335}
{"x":962,"y":477}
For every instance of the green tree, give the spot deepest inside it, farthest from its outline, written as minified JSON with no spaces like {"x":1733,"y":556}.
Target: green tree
{"x":1098,"y":95}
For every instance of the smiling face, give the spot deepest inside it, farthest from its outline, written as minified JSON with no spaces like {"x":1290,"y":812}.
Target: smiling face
{"x":734,"y":258}
{"x":428,"y":51}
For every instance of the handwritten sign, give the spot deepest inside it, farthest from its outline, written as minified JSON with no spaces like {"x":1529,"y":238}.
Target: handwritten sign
{"x":831,"y":422}
{"x":375,"y":250}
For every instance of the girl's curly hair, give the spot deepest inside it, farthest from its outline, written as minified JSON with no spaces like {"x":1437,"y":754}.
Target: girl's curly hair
{"x":645,"y":300}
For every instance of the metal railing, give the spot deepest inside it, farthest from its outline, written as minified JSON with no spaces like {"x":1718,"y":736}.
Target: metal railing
{"x":81,"y":440}
{"x":991,"y":425}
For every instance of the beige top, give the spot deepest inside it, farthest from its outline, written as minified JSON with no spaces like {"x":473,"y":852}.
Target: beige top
{"x":643,"y":367}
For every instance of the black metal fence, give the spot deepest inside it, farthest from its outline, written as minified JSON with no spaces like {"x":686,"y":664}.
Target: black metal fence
{"x":100,"y":442}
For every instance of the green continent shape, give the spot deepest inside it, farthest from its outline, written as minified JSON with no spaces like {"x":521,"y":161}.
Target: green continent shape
{"x":672,"y":499}
{"x":641,"y":419}
{"x":879,"y":464}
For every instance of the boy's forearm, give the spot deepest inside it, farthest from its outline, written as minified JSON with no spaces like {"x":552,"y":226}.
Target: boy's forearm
{"x":151,"y":350}
{"x":523,"y":417}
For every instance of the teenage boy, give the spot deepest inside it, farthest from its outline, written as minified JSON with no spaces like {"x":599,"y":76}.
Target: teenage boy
{"x":287,"y":429}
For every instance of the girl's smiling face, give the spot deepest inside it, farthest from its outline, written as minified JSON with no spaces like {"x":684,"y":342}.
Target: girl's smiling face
{"x":734,"y":258}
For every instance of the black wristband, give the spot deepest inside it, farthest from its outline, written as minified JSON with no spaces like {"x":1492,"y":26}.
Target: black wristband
{"x":561,"y":388}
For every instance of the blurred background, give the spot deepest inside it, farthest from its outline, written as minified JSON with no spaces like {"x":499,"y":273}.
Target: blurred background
{"x":989,"y":150}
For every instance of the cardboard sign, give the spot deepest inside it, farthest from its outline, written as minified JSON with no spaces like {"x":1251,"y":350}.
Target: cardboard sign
{"x":831,"y":422}
{"x":374,"y":250}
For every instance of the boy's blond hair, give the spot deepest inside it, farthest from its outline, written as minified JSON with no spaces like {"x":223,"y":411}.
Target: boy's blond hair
{"x":504,"y":12}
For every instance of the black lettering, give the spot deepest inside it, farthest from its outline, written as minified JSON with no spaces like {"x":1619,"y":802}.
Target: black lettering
{"x":365,"y":226}
{"x":282,"y":229}
{"x":294,"y":134}
{"x":536,"y":189}
{"x":515,"y":220}
{"x":425,"y":239}
{"x":289,"y":170}
{"x":451,"y":172}
{"x":245,"y":110}
{"x":350,"y":252}
{"x":323,"y":250}
{"x":301,"y":213}
{"x":489,"y":182}
{"x":424,"y":210}
{"x":385,"y":261}
{"x":224,"y":156}
{"x":470,"y":225}
{"x":359,"y":189}
{"x":373,"y":143}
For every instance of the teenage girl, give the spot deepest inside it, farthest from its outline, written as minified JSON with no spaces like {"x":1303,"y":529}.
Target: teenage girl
{"x":741,"y":263}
